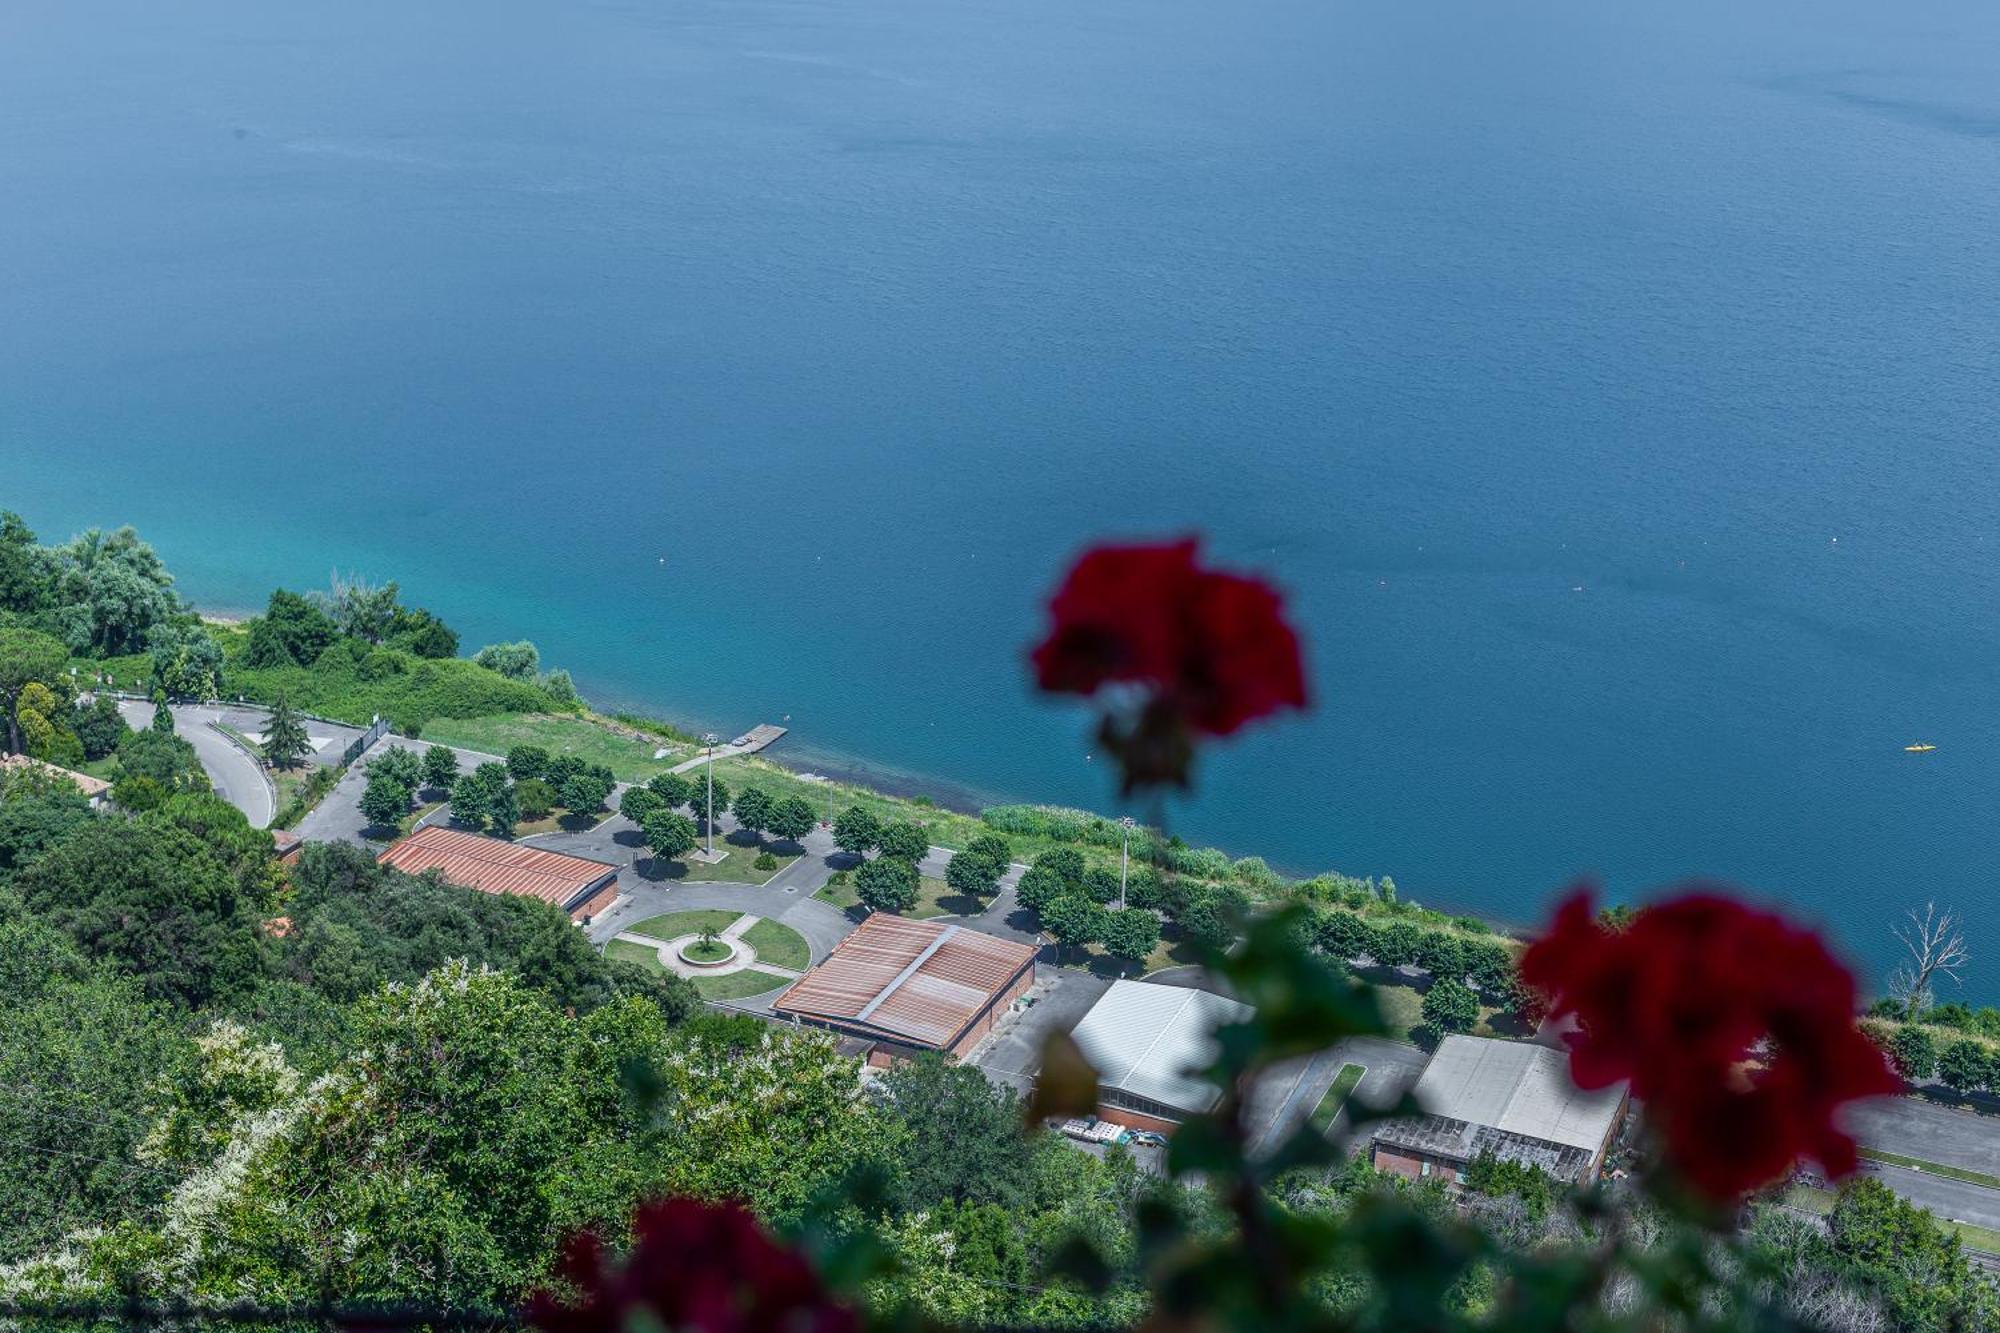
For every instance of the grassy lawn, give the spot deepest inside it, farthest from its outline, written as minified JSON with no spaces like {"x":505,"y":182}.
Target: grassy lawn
{"x":1808,"y":1199}
{"x":626,"y":753}
{"x":928,"y":892}
{"x":780,"y":946}
{"x":737,"y":985}
{"x":1402,"y":1008}
{"x":625,"y":951}
{"x":739,"y":864}
{"x":560,"y":821}
{"x":1935,"y":1168}
{"x":673,"y":925}
{"x":1336,"y":1096}
{"x":837,"y":894}
{"x":706,"y":953}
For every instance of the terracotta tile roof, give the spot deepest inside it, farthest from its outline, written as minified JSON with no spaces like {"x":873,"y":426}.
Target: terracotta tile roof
{"x":495,"y":866}
{"x":918,"y":980}
{"x":88,"y":785}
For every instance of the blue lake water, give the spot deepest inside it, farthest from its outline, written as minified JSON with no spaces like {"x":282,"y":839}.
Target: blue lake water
{"x":1612,"y":386}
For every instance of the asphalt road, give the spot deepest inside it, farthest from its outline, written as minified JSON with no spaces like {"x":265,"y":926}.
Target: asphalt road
{"x":238,"y":778}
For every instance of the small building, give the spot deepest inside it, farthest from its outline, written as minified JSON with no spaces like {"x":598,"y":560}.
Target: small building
{"x":1511,"y":1099}
{"x":95,"y":790}
{"x":1144,"y":1040}
{"x":908,"y":986}
{"x":578,"y":885}
{"x":287,"y":844}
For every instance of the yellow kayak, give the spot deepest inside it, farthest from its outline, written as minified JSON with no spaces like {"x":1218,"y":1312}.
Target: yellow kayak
{"x":1919,"y":748}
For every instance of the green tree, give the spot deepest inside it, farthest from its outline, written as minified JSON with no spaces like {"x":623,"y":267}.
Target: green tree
{"x":99,"y":726}
{"x":165,"y":758}
{"x":973,"y":873}
{"x":476,"y":797}
{"x":406,"y":765}
{"x":1918,"y":1267}
{"x":26,"y":658}
{"x":535,"y":798}
{"x":671,"y":788}
{"x":791,"y":818}
{"x":1395,"y":945}
{"x":856,"y":831}
{"x":385,"y":800}
{"x":163,"y":716}
{"x":708,"y":793}
{"x":966,"y":1130}
{"x":417,"y":631}
{"x":112,"y":589}
{"x":26,"y":570}
{"x":1440,"y":954}
{"x":904,"y":841}
{"x":359,"y":609}
{"x":1450,"y":1005}
{"x":887,"y":884}
{"x":1039,"y":887}
{"x":440,"y":768}
{"x":285,"y":741}
{"x":291,"y":632}
{"x":669,"y":833}
{"x":638,"y":802}
{"x":1066,"y":863}
{"x":993,"y":847}
{"x":753,"y":810}
{"x":1915,"y":1051}
{"x":1131,"y":934}
{"x":1073,"y":920}
{"x":585,"y":793}
{"x":156,"y":901}
{"x":527,"y":761}
{"x":516,"y":661}
{"x":186,"y":661}
{"x":1964,"y":1066}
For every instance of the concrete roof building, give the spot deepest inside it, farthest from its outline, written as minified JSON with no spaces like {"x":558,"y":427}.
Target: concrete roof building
{"x":1511,"y":1099}
{"x":911,"y":985}
{"x":576,"y":884}
{"x":1143,"y":1039}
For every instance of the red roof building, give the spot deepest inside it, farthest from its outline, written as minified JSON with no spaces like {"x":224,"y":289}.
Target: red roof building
{"x":580,"y":886}
{"x":912,"y":985}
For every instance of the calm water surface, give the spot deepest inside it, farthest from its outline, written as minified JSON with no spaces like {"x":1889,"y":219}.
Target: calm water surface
{"x":1612,"y":386}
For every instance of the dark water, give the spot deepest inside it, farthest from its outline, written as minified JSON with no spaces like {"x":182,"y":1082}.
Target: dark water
{"x":1611,"y":385}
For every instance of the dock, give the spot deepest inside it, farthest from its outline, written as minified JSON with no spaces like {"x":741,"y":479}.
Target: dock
{"x":751,"y":741}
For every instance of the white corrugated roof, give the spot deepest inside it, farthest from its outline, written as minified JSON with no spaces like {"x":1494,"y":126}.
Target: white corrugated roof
{"x":1518,"y":1087}
{"x":1144,"y":1038}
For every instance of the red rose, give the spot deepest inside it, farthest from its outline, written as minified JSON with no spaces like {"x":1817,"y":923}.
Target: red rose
{"x":1210,"y":651}
{"x":1735,"y":1027}
{"x":705,"y":1268}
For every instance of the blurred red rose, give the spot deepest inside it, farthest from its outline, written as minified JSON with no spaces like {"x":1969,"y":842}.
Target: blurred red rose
{"x":1211,"y":650}
{"x":706,"y":1268}
{"x":1735,"y":1027}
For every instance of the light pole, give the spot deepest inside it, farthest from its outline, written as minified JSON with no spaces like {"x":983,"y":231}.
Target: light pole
{"x":1124,"y":860}
{"x":709,"y":767}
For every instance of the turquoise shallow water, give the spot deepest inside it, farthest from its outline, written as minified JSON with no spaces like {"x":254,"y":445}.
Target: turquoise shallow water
{"x":1610,"y":385}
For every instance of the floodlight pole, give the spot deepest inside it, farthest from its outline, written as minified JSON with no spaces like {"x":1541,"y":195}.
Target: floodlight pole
{"x":1124,"y":860}
{"x":709,"y":823}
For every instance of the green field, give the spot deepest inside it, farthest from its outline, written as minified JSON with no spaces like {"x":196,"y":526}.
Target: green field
{"x":836,"y":894}
{"x":737,"y":985}
{"x":780,"y":946}
{"x":629,"y":757}
{"x":673,"y":925}
{"x":1335,"y":1096}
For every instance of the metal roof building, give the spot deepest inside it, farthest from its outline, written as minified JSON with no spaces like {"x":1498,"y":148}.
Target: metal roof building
{"x":1508,"y":1098}
{"x":913,"y":984}
{"x":1143,"y":1039}
{"x":576,"y":884}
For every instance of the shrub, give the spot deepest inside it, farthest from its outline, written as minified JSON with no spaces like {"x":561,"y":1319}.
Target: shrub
{"x":535,"y":797}
{"x":765,"y":861}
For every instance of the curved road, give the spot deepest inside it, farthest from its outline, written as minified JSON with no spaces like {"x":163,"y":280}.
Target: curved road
{"x":237,"y":777}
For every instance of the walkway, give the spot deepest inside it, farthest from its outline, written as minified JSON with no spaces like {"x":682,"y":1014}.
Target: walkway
{"x":746,"y":961}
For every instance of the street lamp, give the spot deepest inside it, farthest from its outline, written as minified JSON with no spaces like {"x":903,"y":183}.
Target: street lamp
{"x":710,"y":738}
{"x":1124,"y":860}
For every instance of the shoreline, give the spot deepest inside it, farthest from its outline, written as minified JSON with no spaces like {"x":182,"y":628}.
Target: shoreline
{"x":803,"y":759}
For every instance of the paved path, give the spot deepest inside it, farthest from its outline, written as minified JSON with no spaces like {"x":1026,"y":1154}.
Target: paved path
{"x":237,"y":778}
{"x":669,"y":951}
